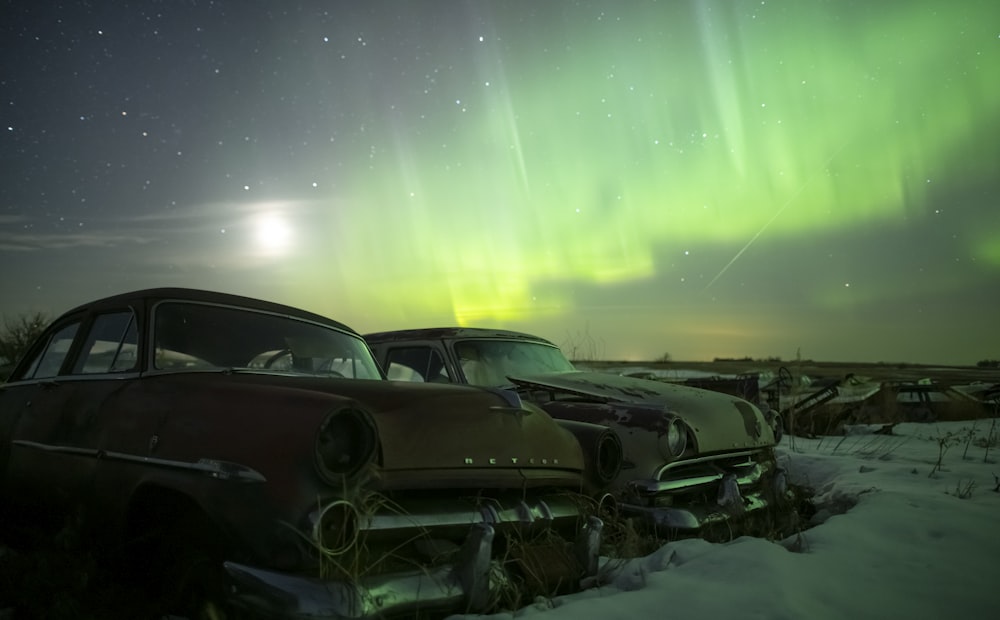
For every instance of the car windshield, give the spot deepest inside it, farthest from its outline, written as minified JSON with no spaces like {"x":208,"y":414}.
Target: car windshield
{"x":491,"y":362}
{"x":198,"y":336}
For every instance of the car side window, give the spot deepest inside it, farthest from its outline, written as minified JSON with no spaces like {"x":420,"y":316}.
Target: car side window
{"x":416,"y":364}
{"x":48,"y":363}
{"x":111,"y":344}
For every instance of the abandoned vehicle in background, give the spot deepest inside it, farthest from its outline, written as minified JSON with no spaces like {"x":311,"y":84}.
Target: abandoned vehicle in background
{"x":811,"y":406}
{"x":247,"y":454}
{"x":697,"y":462}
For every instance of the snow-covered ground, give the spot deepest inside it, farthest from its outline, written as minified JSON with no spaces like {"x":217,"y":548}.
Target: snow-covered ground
{"x":896,"y":536}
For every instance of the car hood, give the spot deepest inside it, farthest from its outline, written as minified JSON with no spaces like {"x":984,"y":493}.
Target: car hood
{"x":434,"y":428}
{"x":720,"y":422}
{"x":424,"y":428}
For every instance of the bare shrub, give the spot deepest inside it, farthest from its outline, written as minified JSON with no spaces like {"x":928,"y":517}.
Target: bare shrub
{"x":945,"y":442}
{"x":18,"y":333}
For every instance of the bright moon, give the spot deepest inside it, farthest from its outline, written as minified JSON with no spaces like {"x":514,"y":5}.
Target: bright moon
{"x":272,"y":233}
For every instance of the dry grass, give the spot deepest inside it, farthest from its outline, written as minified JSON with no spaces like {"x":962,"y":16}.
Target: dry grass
{"x":62,"y":578}
{"x":874,"y":446}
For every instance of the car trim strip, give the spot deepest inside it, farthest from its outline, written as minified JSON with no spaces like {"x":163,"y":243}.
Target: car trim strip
{"x":222,"y":470}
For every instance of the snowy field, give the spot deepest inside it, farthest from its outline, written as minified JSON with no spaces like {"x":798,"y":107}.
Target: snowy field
{"x":900,"y":533}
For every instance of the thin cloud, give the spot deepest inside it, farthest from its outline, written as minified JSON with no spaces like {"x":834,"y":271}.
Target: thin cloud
{"x":34,"y":242}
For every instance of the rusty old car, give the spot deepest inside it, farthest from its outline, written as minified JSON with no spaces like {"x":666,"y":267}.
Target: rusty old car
{"x":252,"y":456}
{"x":697,"y":462}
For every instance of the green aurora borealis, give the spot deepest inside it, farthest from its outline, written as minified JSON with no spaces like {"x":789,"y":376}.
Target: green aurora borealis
{"x":627,"y":179}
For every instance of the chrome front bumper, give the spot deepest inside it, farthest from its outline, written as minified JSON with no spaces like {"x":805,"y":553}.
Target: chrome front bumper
{"x":469,"y":583}
{"x":687,"y":506}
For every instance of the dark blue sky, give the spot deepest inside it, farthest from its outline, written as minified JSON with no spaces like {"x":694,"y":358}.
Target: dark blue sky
{"x":708,"y":179}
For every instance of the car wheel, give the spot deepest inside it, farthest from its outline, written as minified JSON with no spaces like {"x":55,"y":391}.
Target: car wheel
{"x":193,"y":578}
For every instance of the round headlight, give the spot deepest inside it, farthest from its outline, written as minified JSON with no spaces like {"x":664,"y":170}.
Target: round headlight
{"x":346,"y":442}
{"x":674,"y":440}
{"x":609,"y":456}
{"x":603,"y":454}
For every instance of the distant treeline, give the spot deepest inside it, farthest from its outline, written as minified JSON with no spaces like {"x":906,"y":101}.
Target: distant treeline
{"x":979,"y":364}
{"x":750,"y":359}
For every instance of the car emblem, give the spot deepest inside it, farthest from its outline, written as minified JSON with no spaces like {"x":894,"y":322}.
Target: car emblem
{"x":513,"y":460}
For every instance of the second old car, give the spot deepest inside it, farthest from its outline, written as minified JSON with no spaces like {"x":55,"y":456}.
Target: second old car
{"x":237,"y":453}
{"x":697,"y":462}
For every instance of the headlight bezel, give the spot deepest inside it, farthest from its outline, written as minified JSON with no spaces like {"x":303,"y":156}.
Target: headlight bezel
{"x":346,"y":443}
{"x":609,"y":456}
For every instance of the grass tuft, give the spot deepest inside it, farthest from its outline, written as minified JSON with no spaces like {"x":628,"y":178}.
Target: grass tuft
{"x":963,"y":489}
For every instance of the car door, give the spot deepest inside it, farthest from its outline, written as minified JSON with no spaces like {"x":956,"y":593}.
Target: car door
{"x":56,"y":407}
{"x":30,"y":404}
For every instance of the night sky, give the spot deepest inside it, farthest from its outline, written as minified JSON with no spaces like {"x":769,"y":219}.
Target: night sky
{"x":628,"y":179}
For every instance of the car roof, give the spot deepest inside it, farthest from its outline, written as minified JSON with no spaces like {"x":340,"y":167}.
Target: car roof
{"x":199,"y":295}
{"x":440,"y":333}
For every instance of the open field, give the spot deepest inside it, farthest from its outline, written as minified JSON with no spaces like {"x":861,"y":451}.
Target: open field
{"x":955,"y":375}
